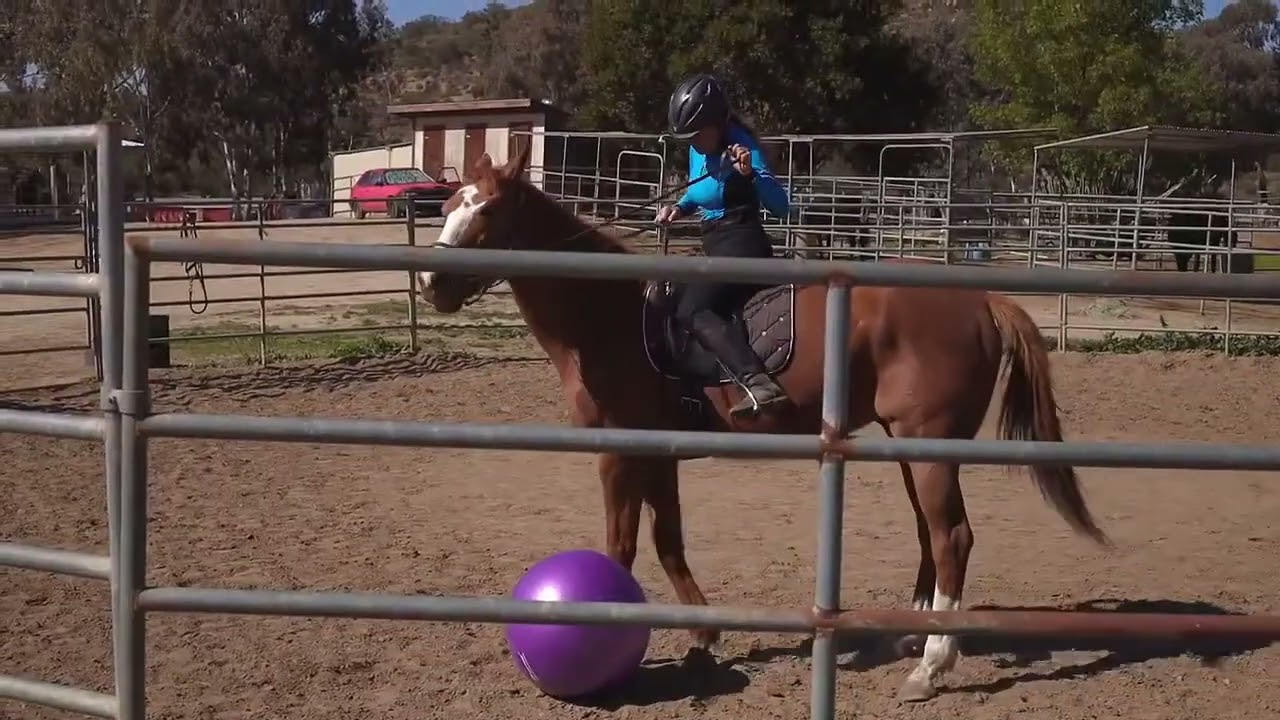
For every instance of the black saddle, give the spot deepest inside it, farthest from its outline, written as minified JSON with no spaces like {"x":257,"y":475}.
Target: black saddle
{"x":768,"y":318}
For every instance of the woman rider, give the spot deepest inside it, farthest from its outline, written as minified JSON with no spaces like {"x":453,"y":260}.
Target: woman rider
{"x":729,"y":198}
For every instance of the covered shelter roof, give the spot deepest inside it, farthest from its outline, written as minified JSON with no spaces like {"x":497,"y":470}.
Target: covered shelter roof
{"x":1172,"y":139}
{"x":920,"y":137}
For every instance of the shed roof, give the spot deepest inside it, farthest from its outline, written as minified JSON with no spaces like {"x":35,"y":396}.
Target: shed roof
{"x":474,"y":107}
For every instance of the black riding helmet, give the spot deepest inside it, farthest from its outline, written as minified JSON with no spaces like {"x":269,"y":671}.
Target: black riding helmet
{"x":698,"y":102}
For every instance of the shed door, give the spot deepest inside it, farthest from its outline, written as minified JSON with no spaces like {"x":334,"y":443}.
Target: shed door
{"x":473,"y":147}
{"x":433,"y":151}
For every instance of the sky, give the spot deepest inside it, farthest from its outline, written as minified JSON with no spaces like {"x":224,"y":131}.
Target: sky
{"x":402,"y":11}
{"x":1212,"y":8}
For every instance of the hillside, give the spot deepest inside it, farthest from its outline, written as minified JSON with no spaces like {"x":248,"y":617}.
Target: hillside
{"x":499,"y":51}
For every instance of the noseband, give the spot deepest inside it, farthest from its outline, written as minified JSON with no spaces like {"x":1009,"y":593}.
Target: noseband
{"x":480,"y":286}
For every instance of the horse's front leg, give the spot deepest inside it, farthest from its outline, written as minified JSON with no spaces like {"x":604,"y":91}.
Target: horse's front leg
{"x":628,"y":483}
{"x":622,"y":502}
{"x":661,"y":483}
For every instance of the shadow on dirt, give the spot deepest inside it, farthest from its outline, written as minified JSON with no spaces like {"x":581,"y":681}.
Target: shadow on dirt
{"x":698,"y":676}
{"x":1103,"y":652}
{"x":179,"y":388}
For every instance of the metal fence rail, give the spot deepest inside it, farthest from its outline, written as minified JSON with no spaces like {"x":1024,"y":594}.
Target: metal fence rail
{"x":684,"y":269}
{"x":759,"y":446}
{"x":127,"y":424}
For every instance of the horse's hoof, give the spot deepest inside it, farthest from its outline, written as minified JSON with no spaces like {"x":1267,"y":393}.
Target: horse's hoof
{"x":708,"y":640}
{"x":917,"y":690}
{"x":909,"y":646}
{"x":698,"y":658}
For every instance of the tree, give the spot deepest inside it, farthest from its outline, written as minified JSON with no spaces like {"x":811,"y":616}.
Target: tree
{"x":266,"y":80}
{"x":625,"y":52}
{"x":1086,"y":67}
{"x":939,"y":33}
{"x":826,"y":66}
{"x":15,"y":86}
{"x":536,"y":53}
{"x":1236,"y":52}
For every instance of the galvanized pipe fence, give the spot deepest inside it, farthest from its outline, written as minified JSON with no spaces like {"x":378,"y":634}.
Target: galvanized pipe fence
{"x":126,"y":425}
{"x":867,"y":218}
{"x":103,"y":284}
{"x":1064,"y":237}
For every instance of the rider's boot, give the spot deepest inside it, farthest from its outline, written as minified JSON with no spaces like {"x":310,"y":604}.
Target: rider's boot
{"x":734,"y":351}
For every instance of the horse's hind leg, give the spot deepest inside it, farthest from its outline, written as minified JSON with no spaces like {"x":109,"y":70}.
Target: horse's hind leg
{"x":926,"y":576}
{"x":662,"y":492}
{"x":950,"y":539}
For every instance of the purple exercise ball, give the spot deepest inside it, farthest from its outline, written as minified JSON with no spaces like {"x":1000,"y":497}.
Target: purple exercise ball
{"x":567,"y":661}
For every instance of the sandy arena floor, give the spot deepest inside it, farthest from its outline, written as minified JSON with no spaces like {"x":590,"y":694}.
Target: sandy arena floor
{"x":437,"y":521}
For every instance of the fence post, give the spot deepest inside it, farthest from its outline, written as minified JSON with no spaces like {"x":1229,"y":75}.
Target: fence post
{"x":411,"y":225}
{"x":262,"y":289}
{"x":129,"y":565}
{"x":110,"y":220}
{"x":1064,"y":262}
{"x":835,"y":400}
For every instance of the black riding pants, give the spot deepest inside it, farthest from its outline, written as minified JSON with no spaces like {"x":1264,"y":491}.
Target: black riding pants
{"x":706,"y":308}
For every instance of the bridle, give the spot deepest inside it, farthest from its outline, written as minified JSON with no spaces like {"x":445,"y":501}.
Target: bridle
{"x":483,"y":287}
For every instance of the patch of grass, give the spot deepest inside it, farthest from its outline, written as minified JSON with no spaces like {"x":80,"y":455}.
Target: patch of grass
{"x":194,"y":346}
{"x":190,"y":348}
{"x":366,"y":347}
{"x":1181,"y":341}
{"x":1266,"y":263}
{"x":1207,"y":340}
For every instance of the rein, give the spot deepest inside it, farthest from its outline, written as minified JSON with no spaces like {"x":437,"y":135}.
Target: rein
{"x":663,"y":196}
{"x":483,"y":287}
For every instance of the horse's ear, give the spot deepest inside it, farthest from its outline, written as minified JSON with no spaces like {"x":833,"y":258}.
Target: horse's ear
{"x":484,"y":166}
{"x":517,"y":165}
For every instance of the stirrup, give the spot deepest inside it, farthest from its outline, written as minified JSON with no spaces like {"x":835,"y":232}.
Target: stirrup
{"x":756,"y":406}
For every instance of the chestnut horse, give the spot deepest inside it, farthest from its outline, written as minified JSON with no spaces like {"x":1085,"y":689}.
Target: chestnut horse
{"x":924,"y":363}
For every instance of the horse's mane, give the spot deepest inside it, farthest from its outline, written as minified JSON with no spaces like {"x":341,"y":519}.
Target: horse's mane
{"x":585,"y":236}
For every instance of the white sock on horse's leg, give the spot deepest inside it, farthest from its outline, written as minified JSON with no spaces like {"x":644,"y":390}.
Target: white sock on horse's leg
{"x":940,"y":655}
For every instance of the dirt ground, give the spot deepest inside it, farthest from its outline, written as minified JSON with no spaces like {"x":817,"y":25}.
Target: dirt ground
{"x":446,"y":521}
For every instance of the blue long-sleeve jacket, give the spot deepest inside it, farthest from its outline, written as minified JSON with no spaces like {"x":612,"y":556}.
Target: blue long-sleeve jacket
{"x":708,"y":193}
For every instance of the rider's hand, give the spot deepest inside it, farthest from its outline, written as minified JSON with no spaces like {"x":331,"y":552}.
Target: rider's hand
{"x":668,"y":214}
{"x":740,"y":156}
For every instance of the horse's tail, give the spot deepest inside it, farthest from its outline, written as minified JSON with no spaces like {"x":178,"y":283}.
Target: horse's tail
{"x":1030,"y":412}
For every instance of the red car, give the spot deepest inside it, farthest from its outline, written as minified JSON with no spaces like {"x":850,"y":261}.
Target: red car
{"x":389,"y":190}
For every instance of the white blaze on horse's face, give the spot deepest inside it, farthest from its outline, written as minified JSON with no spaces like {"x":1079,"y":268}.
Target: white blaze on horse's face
{"x":460,"y":213}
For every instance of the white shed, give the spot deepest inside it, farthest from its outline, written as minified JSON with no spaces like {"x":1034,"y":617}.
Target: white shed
{"x":448,"y":137}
